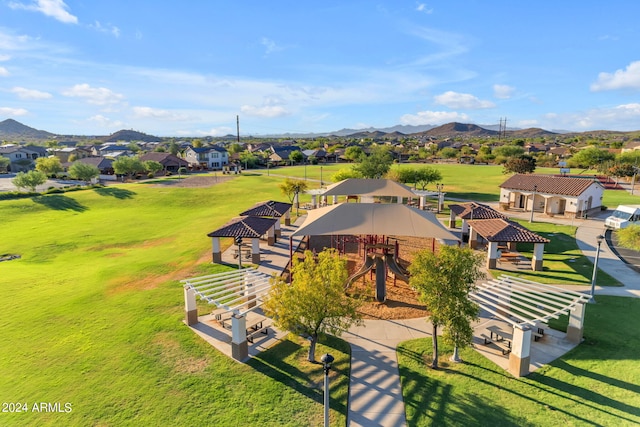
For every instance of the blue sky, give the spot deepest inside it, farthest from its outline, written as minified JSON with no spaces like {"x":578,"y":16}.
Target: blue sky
{"x":171,"y":68}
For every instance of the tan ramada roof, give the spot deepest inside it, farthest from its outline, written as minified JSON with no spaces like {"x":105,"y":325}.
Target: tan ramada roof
{"x":369,"y":187}
{"x":473,"y":210}
{"x":549,"y":184}
{"x":501,"y":230}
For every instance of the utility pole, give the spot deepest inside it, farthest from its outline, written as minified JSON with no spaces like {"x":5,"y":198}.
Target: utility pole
{"x":238,"y":127}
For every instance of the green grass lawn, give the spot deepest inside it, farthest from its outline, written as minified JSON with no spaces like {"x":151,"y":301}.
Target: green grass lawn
{"x":597,"y":383}
{"x":92,"y":315}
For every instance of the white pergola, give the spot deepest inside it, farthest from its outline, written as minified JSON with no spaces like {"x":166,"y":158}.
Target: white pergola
{"x":238,"y":292}
{"x":524,"y":304}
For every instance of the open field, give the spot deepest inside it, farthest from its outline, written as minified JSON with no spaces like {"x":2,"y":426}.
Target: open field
{"x":92,"y":312}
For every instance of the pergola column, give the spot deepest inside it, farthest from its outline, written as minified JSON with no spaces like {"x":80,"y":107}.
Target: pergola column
{"x":465,"y":229}
{"x":255,"y":250}
{"x":239,"y":346}
{"x":575,"y":328}
{"x":399,"y":200}
{"x":216,"y":255}
{"x":452,"y":220}
{"x":538,"y":253}
{"x":277,"y":229}
{"x":335,"y":200}
{"x":520,"y":355}
{"x":271,"y":238}
{"x":440,"y":202}
{"x":492,"y":255}
{"x":473,"y":238}
{"x":190,"y":307}
{"x":314,"y":201}
{"x":287,"y":218}
{"x":423,"y":202}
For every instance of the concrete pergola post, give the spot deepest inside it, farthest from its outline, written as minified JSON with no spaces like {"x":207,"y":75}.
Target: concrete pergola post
{"x":538,"y":253}
{"x":492,"y":255}
{"x":399,"y":200}
{"x":314,"y":201}
{"x":271,"y":238}
{"x":423,"y":202}
{"x":287,"y":218}
{"x":520,"y":355}
{"x":255,"y":250}
{"x":335,"y":200}
{"x":473,"y":238}
{"x":452,"y":220}
{"x":239,"y":345}
{"x":277,"y":229}
{"x":441,"y":201}
{"x":190,"y":307}
{"x":575,"y":328}
{"x":216,"y":255}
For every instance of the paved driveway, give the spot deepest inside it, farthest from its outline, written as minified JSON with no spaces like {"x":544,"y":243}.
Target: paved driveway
{"x":7,"y":185}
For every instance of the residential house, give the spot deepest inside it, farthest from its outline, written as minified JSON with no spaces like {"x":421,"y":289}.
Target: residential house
{"x":211,"y":157}
{"x":103,"y":164}
{"x":67,"y":152}
{"x":169,"y":162}
{"x":22,"y":158}
{"x":570,"y":197}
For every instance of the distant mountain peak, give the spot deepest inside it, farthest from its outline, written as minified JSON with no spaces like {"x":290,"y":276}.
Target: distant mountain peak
{"x":10,"y":128}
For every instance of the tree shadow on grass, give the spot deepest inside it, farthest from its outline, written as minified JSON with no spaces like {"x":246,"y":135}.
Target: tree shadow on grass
{"x":118,"y":193}
{"x":60,"y":203}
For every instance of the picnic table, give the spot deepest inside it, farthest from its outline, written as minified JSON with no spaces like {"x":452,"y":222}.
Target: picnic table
{"x":500,"y":338}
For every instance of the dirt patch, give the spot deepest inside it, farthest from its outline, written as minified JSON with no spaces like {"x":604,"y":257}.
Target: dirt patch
{"x":402,"y":301}
{"x":194,"y":181}
{"x":172,"y":355}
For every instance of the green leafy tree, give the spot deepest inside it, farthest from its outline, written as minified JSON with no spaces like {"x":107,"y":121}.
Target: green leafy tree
{"x":153,"y":167}
{"x":128,"y":166}
{"x":83,"y":171}
{"x":444,"y":280}
{"x":426,"y":175}
{"x":522,"y":164}
{"x":133,"y":147}
{"x":174,"y":148}
{"x":375,"y":165}
{"x":197,"y":143}
{"x":248,"y":159}
{"x":296,"y":156}
{"x":345,"y":173}
{"x":631,"y":157}
{"x":4,"y":164}
{"x":448,"y":153}
{"x":353,"y":153}
{"x":29,"y":180}
{"x":292,"y":189}
{"x":590,"y":157}
{"x":508,"y":151}
{"x":315,"y":303}
{"x":48,"y":165}
{"x":235,"y":148}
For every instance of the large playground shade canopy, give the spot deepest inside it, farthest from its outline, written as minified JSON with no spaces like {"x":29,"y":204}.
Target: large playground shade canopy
{"x":369,"y":187}
{"x":373,"y":218}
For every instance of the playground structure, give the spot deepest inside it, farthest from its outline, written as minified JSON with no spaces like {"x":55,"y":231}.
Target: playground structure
{"x":383,"y":257}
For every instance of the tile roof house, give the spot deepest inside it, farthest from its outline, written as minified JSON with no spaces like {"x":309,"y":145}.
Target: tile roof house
{"x":169,"y":162}
{"x":570,"y":197}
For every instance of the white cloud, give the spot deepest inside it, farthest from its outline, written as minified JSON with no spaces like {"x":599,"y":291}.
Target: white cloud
{"x":458,"y":100}
{"x":24,"y":93}
{"x":4,"y":58}
{"x":4,"y":72}
{"x":156,"y":113}
{"x":503,"y":91}
{"x":94,"y":95}
{"x":8,"y":111}
{"x":56,"y":9}
{"x":270,"y":45}
{"x":433,"y":118}
{"x":629,"y":78}
{"x":421,"y":7}
{"x":269,"y":111}
{"x":105,"y":122}
{"x":527,"y":123}
{"x":108,"y":28}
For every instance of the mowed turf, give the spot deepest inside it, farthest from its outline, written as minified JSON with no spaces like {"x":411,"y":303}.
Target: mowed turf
{"x":92,"y":315}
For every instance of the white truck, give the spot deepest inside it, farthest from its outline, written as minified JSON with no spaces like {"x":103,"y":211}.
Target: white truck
{"x":623,"y":216}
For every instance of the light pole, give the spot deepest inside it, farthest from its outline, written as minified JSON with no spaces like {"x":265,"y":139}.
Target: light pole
{"x":321,"y":183}
{"x":305,"y":170}
{"x":239,"y":243}
{"x":592,"y":300}
{"x":533,"y":201}
{"x":440,"y":187}
{"x":327,"y":360}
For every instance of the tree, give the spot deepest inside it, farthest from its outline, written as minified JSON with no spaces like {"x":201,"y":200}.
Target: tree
{"x":292,"y":188}
{"x":133,"y":147}
{"x":153,"y":167}
{"x":353,"y":153}
{"x":589,"y":157}
{"x":128,"y":166}
{"x":444,"y":280}
{"x":426,"y":175}
{"x":4,"y":163}
{"x":376,"y":165}
{"x":29,"y":180}
{"x":174,"y":148}
{"x":345,"y":173}
{"x":234,"y":148}
{"x":622,"y":170}
{"x":508,"y":151}
{"x":315,"y":303}
{"x":83,"y":171}
{"x":248,"y":159}
{"x":296,"y":156}
{"x":48,"y":165}
{"x":448,"y":153}
{"x":522,"y":164}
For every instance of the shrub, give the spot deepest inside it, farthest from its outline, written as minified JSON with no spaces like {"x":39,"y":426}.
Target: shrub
{"x":629,"y":237}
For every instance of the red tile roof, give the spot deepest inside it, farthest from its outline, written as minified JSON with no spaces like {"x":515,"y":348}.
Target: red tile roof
{"x":549,"y":184}
{"x":501,"y":230}
{"x":475,"y":210}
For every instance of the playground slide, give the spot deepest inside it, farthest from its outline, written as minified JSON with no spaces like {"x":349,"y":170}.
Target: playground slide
{"x":368,"y":265}
{"x":381,"y":280}
{"x":396,"y":269}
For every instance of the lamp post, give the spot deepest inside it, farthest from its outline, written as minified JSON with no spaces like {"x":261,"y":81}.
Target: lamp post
{"x":305,"y":169}
{"x":327,"y":360}
{"x":600,"y":238}
{"x":239,"y":243}
{"x":533,"y":201}
{"x":321,"y":183}
{"x":440,"y":187}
